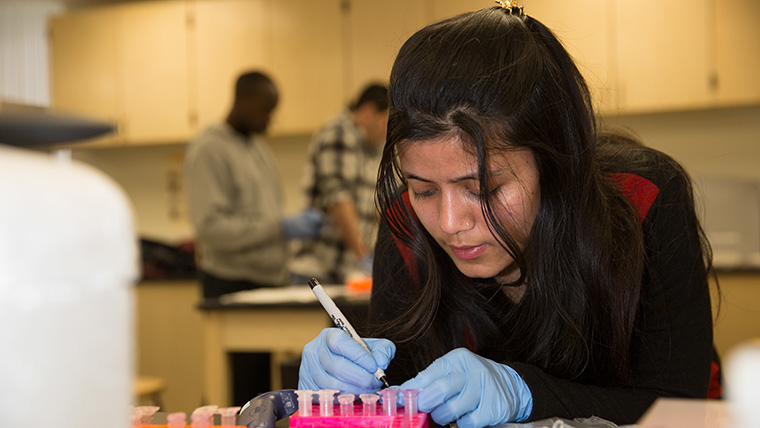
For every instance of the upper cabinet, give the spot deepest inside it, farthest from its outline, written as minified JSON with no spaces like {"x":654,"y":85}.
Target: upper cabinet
{"x":307,"y":62}
{"x":685,"y":54}
{"x":737,"y":51}
{"x":296,"y":43}
{"x":84,"y":68}
{"x":154,"y":73}
{"x":162,"y":70}
{"x":376,"y":30}
{"x":584,"y":29}
{"x":127,"y":64}
{"x":228,"y":37}
{"x":663,"y":55}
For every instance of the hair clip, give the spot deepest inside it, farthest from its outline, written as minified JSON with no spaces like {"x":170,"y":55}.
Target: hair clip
{"x":512,"y":7}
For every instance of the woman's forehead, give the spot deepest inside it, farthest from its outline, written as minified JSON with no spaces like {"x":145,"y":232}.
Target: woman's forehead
{"x":452,"y":148}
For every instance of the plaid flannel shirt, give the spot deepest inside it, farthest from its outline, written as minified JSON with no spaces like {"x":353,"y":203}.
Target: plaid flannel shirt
{"x":341,"y":166}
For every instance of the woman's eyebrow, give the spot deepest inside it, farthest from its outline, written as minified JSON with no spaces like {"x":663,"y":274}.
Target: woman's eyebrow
{"x":410,"y":176}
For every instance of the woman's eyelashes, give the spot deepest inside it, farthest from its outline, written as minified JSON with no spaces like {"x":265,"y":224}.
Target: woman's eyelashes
{"x":472,"y":192}
{"x":477,"y":193}
{"x":422,"y":195}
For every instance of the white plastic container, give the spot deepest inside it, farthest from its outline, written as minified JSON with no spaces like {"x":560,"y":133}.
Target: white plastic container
{"x":743,"y":384}
{"x":68,"y":259}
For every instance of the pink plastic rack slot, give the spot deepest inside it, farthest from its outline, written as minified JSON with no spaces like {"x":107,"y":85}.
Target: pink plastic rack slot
{"x":358,"y":419}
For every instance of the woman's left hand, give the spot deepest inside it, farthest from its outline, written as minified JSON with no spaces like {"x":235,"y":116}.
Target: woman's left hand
{"x":471,"y":390}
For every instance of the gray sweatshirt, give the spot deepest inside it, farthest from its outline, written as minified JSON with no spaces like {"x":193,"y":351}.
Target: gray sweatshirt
{"x":234,"y":198}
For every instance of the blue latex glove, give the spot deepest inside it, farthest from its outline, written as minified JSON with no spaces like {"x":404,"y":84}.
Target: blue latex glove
{"x":335,"y":361}
{"x":471,"y":390}
{"x":306,"y":224}
{"x":365,"y":264}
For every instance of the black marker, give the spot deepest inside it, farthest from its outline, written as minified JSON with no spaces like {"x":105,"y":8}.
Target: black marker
{"x":341,"y":322}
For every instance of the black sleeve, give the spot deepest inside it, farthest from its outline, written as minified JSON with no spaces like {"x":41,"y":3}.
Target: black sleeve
{"x":672,"y":344}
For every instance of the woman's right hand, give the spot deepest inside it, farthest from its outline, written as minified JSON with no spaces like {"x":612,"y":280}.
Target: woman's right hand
{"x":335,"y":361}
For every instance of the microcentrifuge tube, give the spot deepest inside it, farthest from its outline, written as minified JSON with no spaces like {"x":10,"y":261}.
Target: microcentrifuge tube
{"x":410,"y":401}
{"x":369,"y":407}
{"x":228,"y":416}
{"x":389,"y":401}
{"x":346,"y":404}
{"x":135,"y":417}
{"x":145,"y":414}
{"x":304,"y":401}
{"x":202,"y":416}
{"x":176,"y":420}
{"x":326,"y":399}
{"x":199,"y":420}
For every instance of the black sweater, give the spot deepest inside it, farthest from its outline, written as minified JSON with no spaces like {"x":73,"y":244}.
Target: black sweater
{"x":672,"y":347}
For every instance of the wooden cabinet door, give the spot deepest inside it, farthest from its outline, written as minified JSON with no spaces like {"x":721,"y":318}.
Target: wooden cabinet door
{"x":83,"y":64}
{"x":376,"y":31}
{"x":663,"y":55}
{"x":737,"y":32}
{"x":583,"y":28}
{"x":153,"y":72}
{"x":437,"y":10}
{"x":307,"y":63}
{"x":230,"y":37}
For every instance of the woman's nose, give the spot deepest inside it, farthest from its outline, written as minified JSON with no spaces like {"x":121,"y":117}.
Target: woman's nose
{"x":455,"y":215}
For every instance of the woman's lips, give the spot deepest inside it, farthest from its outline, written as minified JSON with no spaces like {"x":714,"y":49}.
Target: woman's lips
{"x":467,"y":252}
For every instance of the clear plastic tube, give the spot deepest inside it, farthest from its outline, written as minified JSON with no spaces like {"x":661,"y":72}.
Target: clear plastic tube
{"x":229,"y":416}
{"x":199,"y":420}
{"x":410,"y":401}
{"x":389,"y":396}
{"x":202,"y":416}
{"x":346,"y":404}
{"x":145,"y":414}
{"x":369,"y":404}
{"x":135,"y":417}
{"x":176,"y":420}
{"x":304,"y":401}
{"x":326,"y":400}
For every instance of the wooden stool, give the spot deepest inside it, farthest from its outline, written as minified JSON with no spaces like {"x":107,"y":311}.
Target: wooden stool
{"x":150,"y":388}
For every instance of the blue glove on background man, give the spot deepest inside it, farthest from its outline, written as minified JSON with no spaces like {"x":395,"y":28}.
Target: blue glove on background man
{"x":306,"y":224}
{"x":365,"y":264}
{"x":335,"y":361}
{"x":471,"y":390}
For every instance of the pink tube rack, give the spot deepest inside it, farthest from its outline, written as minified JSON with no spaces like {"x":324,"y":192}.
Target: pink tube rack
{"x":337,"y":420}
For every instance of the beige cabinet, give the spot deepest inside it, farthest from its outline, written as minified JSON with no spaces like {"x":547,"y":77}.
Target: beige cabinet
{"x":663,"y":55}
{"x":301,"y":53}
{"x":375,"y":32}
{"x":127,"y":64}
{"x":306,"y":59}
{"x":153,"y":72}
{"x":737,"y":51}
{"x":228,"y":38}
{"x":169,"y":340}
{"x":164,"y":69}
{"x":83,"y":66}
{"x":584,"y":29}
{"x":687,"y":54}
{"x":683,"y":54}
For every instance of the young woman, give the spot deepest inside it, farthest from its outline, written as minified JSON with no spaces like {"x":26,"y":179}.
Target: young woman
{"x":527,"y":266}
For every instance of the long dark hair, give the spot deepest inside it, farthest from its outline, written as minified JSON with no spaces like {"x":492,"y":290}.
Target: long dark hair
{"x":500,"y":81}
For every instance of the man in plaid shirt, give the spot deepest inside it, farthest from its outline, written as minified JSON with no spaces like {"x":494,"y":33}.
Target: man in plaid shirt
{"x":339,"y":179}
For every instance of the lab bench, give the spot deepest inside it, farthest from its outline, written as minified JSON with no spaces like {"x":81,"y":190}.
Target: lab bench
{"x":277,"y":321}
